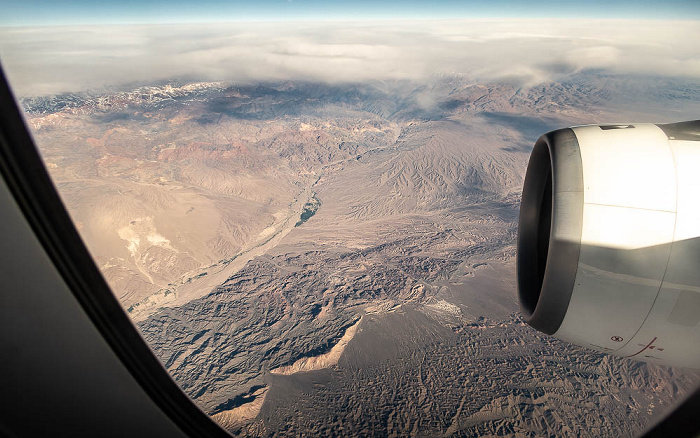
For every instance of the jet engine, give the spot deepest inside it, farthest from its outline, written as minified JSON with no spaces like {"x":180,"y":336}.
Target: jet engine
{"x":609,"y":240}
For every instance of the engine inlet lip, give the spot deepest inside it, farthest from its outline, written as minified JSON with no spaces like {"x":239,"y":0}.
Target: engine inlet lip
{"x":549,"y":230}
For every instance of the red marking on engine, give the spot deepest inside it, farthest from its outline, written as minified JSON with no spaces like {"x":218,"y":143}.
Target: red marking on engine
{"x":650,"y":346}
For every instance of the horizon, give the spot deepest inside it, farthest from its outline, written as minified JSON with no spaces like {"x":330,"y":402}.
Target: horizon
{"x":85,"y":12}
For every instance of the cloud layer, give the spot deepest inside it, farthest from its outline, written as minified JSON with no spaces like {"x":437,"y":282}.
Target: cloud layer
{"x":55,"y":59}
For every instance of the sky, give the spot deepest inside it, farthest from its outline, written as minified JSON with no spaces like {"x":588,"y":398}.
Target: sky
{"x":85,"y":12}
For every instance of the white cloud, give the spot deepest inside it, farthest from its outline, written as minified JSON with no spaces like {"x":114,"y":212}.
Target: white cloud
{"x":51,"y":60}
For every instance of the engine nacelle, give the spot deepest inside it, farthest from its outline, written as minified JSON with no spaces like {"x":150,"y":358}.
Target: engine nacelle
{"x":609,"y":240}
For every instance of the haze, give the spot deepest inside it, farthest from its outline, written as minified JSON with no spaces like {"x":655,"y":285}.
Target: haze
{"x":50,"y":60}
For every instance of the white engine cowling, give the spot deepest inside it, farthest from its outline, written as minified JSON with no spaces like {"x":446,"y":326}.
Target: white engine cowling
{"x":609,"y":240}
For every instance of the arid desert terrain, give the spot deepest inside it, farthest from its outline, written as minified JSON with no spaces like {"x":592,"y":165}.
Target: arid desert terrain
{"x":311,"y":259}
